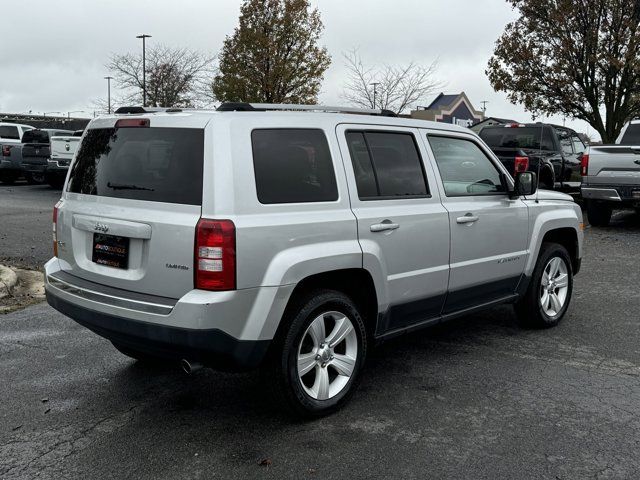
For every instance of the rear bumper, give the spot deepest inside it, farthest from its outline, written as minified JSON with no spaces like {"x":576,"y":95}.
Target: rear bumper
{"x":229,"y":330}
{"x":612,"y":193}
{"x":34,"y":167}
{"x":57,"y":166}
{"x":211,"y":347}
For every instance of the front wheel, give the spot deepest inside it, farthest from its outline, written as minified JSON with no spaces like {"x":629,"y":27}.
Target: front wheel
{"x":549,"y":293}
{"x":317,"y":365}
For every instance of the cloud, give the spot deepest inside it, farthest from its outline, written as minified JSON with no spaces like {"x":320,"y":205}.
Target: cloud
{"x":59,"y":64}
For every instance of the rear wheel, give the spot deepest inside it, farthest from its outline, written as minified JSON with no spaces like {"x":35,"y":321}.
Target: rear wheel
{"x":34,"y":178}
{"x":598,"y":213}
{"x":549,"y":292}
{"x":316,"y":367}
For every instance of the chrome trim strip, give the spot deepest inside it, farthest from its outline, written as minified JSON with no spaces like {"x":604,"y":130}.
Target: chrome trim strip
{"x":601,"y":194}
{"x":108,"y":300}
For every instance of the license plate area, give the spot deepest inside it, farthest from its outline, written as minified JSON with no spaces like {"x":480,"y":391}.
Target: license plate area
{"x":110,"y":250}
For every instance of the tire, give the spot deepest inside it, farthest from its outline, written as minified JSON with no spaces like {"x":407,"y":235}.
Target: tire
{"x":599,"y":214}
{"x":322,"y":390}
{"x":141,"y":357}
{"x":34,"y":178}
{"x":535,"y":310}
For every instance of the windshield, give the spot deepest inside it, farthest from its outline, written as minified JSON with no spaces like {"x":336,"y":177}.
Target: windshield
{"x":517,"y":137}
{"x":631,"y":135}
{"x":153,"y":164}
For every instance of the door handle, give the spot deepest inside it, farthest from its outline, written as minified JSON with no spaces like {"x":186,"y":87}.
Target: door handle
{"x":468,"y":218}
{"x":384,"y":226}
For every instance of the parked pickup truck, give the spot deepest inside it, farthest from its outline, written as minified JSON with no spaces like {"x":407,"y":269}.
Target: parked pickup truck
{"x":11,"y":151}
{"x":36,"y":152}
{"x":611,"y":176}
{"x":556,"y":150}
{"x":62,"y":150}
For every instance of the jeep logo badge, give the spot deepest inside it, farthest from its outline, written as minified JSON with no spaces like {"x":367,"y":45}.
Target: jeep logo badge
{"x":101,"y":227}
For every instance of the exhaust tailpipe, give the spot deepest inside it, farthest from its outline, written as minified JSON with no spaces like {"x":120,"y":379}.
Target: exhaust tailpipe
{"x":190,"y":367}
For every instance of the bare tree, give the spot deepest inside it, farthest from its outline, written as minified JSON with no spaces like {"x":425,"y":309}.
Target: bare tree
{"x":175,"y":77}
{"x":396,"y":88}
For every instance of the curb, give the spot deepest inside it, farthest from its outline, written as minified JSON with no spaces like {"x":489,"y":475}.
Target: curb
{"x":8,"y":280}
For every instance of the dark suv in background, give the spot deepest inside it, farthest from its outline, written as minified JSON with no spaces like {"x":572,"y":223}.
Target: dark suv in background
{"x":556,"y":150}
{"x":36,"y":151}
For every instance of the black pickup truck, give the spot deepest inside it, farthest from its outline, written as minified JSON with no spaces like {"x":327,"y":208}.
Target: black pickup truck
{"x":556,"y":150}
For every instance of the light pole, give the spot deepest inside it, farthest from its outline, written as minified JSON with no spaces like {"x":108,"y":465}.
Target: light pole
{"x":375,"y":92}
{"x":144,"y":68}
{"x":108,"y":79}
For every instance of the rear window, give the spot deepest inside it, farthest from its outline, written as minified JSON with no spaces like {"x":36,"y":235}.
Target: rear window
{"x":517,"y":137}
{"x":631,"y":135}
{"x":35,"y":136}
{"x":9,"y":132}
{"x":292,"y":166}
{"x":153,"y":164}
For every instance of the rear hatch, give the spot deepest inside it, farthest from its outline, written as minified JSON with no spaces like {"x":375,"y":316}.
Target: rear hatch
{"x":36,"y":147}
{"x":63,"y":148}
{"x":133,"y":200}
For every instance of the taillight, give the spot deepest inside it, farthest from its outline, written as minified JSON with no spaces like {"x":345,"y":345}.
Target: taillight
{"x":521,"y":164}
{"x":55,"y":228}
{"x":584,"y":165}
{"x":132,"y":122}
{"x":215,"y":255}
{"x":6,"y":150}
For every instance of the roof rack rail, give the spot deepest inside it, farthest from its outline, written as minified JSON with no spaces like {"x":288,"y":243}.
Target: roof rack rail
{"x":263,"y":107}
{"x":138,"y":110}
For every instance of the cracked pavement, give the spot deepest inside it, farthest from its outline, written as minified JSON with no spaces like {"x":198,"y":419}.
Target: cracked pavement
{"x":475,"y":398}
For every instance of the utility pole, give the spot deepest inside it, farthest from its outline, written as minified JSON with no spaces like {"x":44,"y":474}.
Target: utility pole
{"x":484,"y":105}
{"x":144,"y":68}
{"x":375,"y":92}
{"x":108,"y":79}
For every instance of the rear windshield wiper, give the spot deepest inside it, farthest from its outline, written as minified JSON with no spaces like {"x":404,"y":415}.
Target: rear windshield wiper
{"x":121,"y":186}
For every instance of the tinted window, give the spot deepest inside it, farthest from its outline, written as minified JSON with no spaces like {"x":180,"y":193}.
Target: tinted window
{"x":8,"y":131}
{"x":631,"y":135}
{"x":35,"y":136}
{"x":565,"y":141}
{"x":464,"y":168}
{"x":518,"y":137}
{"x":60,"y":133}
{"x":293,"y":165}
{"x":386,"y":165}
{"x":154,"y":164}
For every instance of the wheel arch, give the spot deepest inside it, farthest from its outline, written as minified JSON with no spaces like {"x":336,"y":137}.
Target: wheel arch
{"x":356,"y":283}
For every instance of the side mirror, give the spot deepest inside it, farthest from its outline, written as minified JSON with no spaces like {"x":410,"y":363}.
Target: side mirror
{"x":526,"y":183}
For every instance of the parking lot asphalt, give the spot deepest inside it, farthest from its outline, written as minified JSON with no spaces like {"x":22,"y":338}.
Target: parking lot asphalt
{"x":475,"y":398}
{"x":25,"y":224}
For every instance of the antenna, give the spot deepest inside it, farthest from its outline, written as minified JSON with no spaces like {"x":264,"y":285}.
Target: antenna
{"x":539,"y":161}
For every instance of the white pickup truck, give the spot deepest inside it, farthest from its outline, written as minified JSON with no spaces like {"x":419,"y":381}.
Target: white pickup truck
{"x":63,"y":148}
{"x":611,"y":176}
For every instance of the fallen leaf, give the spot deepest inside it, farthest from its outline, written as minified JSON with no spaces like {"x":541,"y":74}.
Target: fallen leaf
{"x":265,"y":462}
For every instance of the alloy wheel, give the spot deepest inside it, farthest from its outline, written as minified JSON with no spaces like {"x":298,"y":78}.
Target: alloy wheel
{"x":326,"y":361}
{"x":554,"y":286}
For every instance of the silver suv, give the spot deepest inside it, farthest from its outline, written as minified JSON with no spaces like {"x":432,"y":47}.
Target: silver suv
{"x":293,"y":238}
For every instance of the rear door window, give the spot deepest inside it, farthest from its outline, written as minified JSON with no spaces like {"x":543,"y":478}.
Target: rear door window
{"x":292,"y":166}
{"x":153,"y":164}
{"x":9,"y":132}
{"x":387,"y":165}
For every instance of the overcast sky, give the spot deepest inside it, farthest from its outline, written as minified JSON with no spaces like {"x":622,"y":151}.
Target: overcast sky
{"x":52,"y":54}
